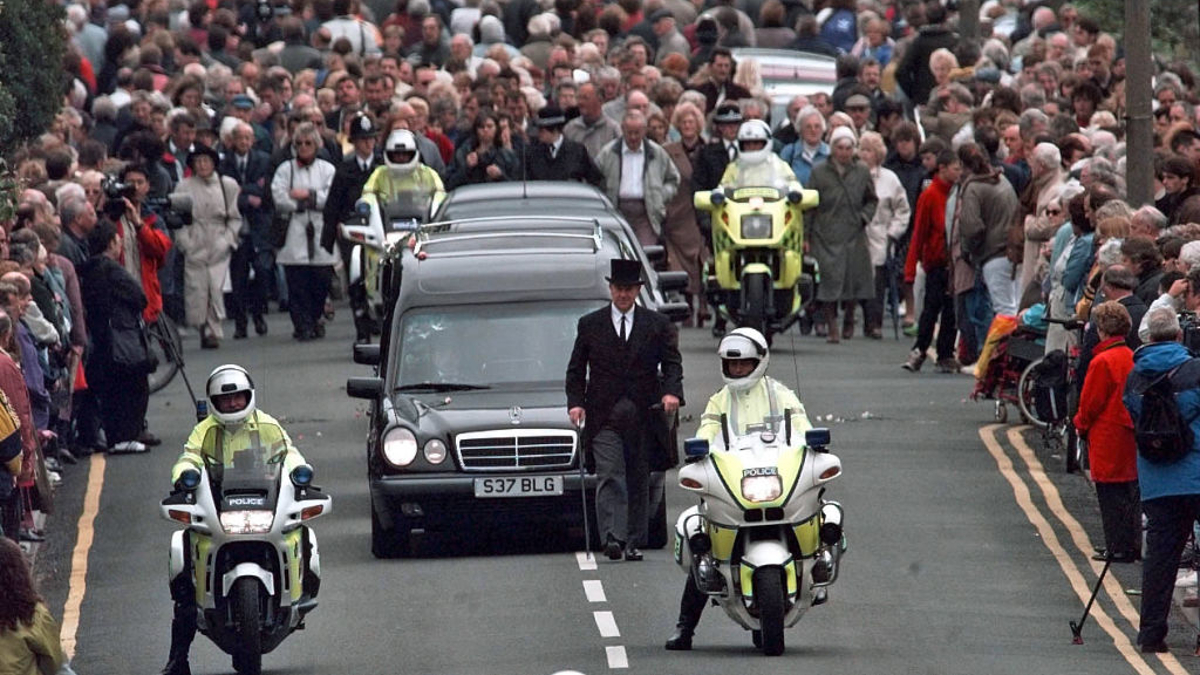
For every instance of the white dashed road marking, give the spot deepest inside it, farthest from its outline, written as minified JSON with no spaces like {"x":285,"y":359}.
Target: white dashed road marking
{"x":616,"y":657}
{"x":587,"y":562}
{"x":607,"y":624}
{"x":594,"y":590}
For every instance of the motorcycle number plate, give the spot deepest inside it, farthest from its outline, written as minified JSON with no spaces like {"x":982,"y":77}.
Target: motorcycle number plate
{"x":519,"y":486}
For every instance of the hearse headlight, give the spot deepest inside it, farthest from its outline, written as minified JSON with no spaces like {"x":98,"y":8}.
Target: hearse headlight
{"x":399,"y":447}
{"x":435,"y":451}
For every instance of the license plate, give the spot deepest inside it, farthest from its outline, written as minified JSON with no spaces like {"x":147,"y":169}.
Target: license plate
{"x":519,"y":486}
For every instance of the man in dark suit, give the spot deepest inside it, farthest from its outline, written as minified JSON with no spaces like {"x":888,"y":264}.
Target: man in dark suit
{"x":252,"y":170}
{"x":553,"y":157}
{"x":347,"y":187}
{"x":720,"y":86}
{"x":613,"y":383}
{"x":712,"y":159}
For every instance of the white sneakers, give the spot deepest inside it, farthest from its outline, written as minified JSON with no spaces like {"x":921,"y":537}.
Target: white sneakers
{"x":127,"y":447}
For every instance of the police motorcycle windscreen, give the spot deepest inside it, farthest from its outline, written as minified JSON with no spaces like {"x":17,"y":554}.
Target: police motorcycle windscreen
{"x":254,"y":567}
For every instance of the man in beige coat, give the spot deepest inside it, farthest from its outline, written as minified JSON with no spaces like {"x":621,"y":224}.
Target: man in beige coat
{"x":208,"y":243}
{"x":639,"y":177}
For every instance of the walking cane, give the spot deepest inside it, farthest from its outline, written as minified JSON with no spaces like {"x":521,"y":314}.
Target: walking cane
{"x":587,"y":528}
{"x":1077,"y":628}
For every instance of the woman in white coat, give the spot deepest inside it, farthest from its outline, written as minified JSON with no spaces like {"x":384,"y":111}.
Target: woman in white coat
{"x":299,"y":190}
{"x":889,"y":223}
{"x":208,"y":243}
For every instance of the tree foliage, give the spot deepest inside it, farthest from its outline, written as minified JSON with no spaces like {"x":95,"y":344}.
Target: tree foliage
{"x":32,"y":79}
{"x":1174,"y":24}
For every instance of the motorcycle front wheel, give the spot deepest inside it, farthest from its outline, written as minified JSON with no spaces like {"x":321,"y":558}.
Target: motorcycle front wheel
{"x":247,"y":659}
{"x":768,"y":593}
{"x":755,"y":309}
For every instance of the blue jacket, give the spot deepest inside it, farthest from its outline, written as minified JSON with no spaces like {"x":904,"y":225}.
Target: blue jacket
{"x":793,"y":154}
{"x":1177,"y":478}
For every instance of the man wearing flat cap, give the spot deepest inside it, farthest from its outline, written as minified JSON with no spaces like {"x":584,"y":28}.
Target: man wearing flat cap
{"x":670,"y":40}
{"x":616,"y":394}
{"x":347,"y":186}
{"x":554,"y":157}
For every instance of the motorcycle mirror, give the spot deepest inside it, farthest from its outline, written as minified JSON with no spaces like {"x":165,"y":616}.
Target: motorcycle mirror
{"x":817,"y":439}
{"x":189,"y":479}
{"x":302,"y":475}
{"x":695,"y":449}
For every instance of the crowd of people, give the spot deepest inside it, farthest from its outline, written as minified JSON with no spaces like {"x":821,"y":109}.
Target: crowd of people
{"x":977,"y":177}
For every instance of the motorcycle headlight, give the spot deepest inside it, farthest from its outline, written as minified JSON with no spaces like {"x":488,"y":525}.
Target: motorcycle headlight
{"x":435,"y":451}
{"x":762,"y":488}
{"x":247,"y":522}
{"x":399,"y":447}
{"x":756,"y":226}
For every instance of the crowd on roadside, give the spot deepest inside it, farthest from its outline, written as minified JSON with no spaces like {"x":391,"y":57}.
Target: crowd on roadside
{"x":990,"y":172}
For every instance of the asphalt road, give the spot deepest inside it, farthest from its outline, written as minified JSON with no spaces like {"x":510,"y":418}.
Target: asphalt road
{"x":946,"y":572}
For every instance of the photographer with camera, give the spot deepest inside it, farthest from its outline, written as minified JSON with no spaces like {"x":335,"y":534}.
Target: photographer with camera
{"x":1183,"y":298}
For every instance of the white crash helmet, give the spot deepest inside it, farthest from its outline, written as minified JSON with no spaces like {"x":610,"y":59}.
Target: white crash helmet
{"x":754,"y":131}
{"x":400,"y":153}
{"x":743,"y":343}
{"x":225,"y":380}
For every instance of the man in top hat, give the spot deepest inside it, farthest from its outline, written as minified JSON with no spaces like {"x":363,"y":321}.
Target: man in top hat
{"x":716,"y":155}
{"x":554,"y":157}
{"x":347,"y":187}
{"x":615,"y":394}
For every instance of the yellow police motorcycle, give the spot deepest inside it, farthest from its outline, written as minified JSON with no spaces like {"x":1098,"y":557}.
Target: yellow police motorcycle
{"x":759,"y":276}
{"x":375,"y":229}
{"x":762,"y":543}
{"x":254,"y":565}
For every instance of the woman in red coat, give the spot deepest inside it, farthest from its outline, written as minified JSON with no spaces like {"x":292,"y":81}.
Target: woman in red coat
{"x":1104,"y":421}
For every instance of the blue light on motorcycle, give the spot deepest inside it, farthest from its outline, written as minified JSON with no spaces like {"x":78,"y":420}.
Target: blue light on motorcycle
{"x":718,"y":198}
{"x":363,"y":208}
{"x":695,"y":449}
{"x":302,"y":475}
{"x":189,"y":479}
{"x":817,"y":439}
{"x":794,"y":197}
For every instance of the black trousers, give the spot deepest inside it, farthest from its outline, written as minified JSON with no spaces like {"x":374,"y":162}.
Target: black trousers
{"x":1169,"y":521}
{"x":123,"y":396}
{"x":308,"y":286}
{"x":1121,"y":515}
{"x":938,"y":311}
{"x":249,"y":295}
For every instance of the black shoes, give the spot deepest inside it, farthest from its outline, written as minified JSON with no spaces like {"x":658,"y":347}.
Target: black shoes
{"x":260,"y":325}
{"x":613,"y":548}
{"x":681,"y":640}
{"x":633,"y":554}
{"x":1104,"y":556}
{"x":1159,"y":647}
{"x":177,"y":667}
{"x":239,"y":333}
{"x":149,"y":440}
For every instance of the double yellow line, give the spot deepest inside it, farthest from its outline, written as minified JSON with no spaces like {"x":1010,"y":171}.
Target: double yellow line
{"x":1078,"y":539}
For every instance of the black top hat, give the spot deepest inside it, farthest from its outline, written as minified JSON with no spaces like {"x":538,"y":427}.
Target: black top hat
{"x":625,"y":272}
{"x":362,"y":127}
{"x":549,"y":117}
{"x":201,"y":150}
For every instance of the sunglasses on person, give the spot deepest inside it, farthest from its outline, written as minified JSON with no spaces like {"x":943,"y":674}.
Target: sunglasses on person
{"x":1053,"y":212}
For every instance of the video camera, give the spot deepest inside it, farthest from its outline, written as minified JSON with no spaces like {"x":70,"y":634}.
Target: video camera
{"x":174,"y":209}
{"x":1189,"y":323}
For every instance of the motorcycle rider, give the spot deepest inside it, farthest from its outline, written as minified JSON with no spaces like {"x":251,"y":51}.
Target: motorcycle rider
{"x":749,"y":402}
{"x":757,"y":165}
{"x":232,"y":409}
{"x":402,"y":175}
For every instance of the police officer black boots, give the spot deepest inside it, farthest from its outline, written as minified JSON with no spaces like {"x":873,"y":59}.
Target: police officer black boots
{"x":691,"y":606}
{"x":183,"y":626}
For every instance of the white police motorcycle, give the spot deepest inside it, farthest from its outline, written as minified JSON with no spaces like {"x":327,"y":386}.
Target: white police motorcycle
{"x":254,"y":565}
{"x":762,"y":543}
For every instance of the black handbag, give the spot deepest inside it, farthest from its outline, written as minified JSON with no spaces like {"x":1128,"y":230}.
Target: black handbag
{"x":131,"y":348}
